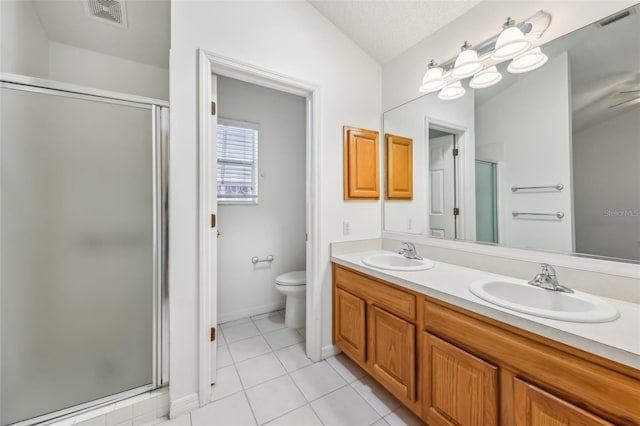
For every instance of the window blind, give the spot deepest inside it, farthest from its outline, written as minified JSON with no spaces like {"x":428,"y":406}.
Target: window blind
{"x":237,"y":147}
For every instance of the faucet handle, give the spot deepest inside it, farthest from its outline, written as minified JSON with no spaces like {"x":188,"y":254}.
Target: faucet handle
{"x":548,"y":270}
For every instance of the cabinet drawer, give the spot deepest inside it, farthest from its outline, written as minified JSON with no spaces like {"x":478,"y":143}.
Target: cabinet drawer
{"x":393,"y":300}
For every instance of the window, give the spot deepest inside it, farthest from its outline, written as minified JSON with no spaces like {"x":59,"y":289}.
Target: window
{"x":237,"y":162}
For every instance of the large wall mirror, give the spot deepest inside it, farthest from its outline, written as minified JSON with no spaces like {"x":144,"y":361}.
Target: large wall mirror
{"x":546,"y":160}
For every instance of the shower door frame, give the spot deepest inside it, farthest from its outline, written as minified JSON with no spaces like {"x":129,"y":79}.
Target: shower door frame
{"x":159,"y":111}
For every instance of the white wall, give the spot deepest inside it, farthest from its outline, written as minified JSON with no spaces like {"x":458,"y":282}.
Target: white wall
{"x":412,"y":121}
{"x":402,"y":76}
{"x":24,"y":46}
{"x":532,"y":145}
{"x":89,"y":68}
{"x":607,"y":187}
{"x":276,"y":225}
{"x":293,"y":39}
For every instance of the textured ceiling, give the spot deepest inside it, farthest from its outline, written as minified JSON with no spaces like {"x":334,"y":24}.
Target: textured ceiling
{"x":146,"y":39}
{"x":384,"y":29}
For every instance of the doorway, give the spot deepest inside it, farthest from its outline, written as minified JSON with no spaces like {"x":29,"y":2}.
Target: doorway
{"x":442,"y":188}
{"x":210,"y":66}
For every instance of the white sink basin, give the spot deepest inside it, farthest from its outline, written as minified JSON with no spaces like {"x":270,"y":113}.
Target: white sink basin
{"x":523,"y":297}
{"x":396,"y":262}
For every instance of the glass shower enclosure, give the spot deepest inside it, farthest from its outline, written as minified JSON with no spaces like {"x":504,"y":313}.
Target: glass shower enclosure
{"x":82,"y":247}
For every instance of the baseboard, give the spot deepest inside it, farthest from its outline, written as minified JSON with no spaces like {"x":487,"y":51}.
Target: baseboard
{"x":329,"y":351}
{"x":184,"y":405}
{"x":245,"y":313}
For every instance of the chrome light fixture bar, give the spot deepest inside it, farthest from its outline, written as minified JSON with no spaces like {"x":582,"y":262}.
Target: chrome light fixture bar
{"x":480,"y":62}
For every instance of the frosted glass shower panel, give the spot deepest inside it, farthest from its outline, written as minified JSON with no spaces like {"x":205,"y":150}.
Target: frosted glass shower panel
{"x":76,"y":276}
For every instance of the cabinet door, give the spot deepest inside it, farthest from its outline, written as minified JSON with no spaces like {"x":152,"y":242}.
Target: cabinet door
{"x":535,"y":407}
{"x":392,"y":352}
{"x":349,"y":325}
{"x":399,"y":167}
{"x":361,"y":159}
{"x":459,"y":389}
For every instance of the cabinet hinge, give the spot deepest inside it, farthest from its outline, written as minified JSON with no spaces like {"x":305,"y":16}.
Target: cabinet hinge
{"x":213,"y":334}
{"x":455,"y":152}
{"x":213,"y":108}
{"x":456,"y":211}
{"x":213,"y":220}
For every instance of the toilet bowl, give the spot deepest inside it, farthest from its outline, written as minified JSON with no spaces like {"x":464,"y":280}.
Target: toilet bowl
{"x":294,"y":286}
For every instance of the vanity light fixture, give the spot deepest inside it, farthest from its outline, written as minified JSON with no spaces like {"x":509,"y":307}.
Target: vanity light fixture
{"x":510,"y":43}
{"x":433,"y":79}
{"x":528,"y":61}
{"x":485,"y":78}
{"x":452,"y":91}
{"x":481,"y":61}
{"x":467,"y":63}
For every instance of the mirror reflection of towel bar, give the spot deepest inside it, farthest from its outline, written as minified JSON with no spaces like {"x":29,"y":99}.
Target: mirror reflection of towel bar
{"x":557,"y":187}
{"x":559,"y":215}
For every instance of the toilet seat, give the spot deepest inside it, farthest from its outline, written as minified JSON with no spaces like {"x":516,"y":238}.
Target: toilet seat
{"x":294,"y":278}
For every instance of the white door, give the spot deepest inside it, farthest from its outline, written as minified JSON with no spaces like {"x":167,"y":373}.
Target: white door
{"x":442,"y":200}
{"x":212,"y":233}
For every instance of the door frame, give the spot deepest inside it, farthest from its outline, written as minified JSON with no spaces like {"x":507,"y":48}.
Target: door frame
{"x":208,"y":64}
{"x":464,"y":174}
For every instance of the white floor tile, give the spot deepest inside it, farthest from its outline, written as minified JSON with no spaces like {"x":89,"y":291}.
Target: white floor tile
{"x":95,"y":421}
{"x":293,"y":357}
{"x":120,"y":415}
{"x":259,"y":369}
{"x":381,"y":400}
{"x":270,"y":323}
{"x":223,"y":357}
{"x":233,"y":410}
{"x":303,"y":332}
{"x":303,"y":416}
{"x":184,"y":420}
{"x":317,"y":379}
{"x":240,"y":331}
{"x":403,"y":417}
{"x":282,"y":338}
{"x":344,"y":407}
{"x":248,"y":348}
{"x":220,"y":337}
{"x":346,"y":368}
{"x":227,"y":383}
{"x":274,"y":398}
{"x":380,"y":422}
{"x":94,"y":413}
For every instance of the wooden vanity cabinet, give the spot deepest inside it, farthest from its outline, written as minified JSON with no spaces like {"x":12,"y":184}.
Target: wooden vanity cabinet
{"x":535,"y":407}
{"x":349,"y":324}
{"x":459,"y":388}
{"x":390,"y":332}
{"x":451,"y":366}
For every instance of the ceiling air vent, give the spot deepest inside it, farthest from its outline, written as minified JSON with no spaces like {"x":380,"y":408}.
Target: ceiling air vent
{"x":108,"y":11}
{"x":616,"y":17}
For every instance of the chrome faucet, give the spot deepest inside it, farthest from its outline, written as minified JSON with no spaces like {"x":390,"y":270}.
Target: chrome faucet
{"x":409,"y":251}
{"x":547,"y":279}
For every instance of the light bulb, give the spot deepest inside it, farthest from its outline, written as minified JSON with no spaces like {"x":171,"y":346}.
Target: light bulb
{"x":528,"y":61}
{"x":485,"y":78}
{"x":510,"y":43}
{"x":452,"y":91}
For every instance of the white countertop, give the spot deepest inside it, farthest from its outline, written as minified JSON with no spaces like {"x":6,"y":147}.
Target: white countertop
{"x":617,"y":340}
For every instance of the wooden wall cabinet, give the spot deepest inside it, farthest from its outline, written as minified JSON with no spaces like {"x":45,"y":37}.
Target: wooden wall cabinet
{"x":361,"y":164}
{"x":399,"y":167}
{"x":450,"y":366}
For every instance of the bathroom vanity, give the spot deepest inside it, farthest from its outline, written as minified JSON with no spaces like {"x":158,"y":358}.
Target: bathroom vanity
{"x":454,"y":359}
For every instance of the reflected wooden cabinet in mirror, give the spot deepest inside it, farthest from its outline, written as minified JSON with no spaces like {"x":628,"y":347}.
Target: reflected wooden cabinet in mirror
{"x":399,"y":170}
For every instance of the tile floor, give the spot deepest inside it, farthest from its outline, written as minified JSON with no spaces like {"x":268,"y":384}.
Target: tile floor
{"x":265,"y":378}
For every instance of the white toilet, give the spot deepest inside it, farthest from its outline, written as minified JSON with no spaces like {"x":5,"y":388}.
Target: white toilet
{"x":294,"y":286}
